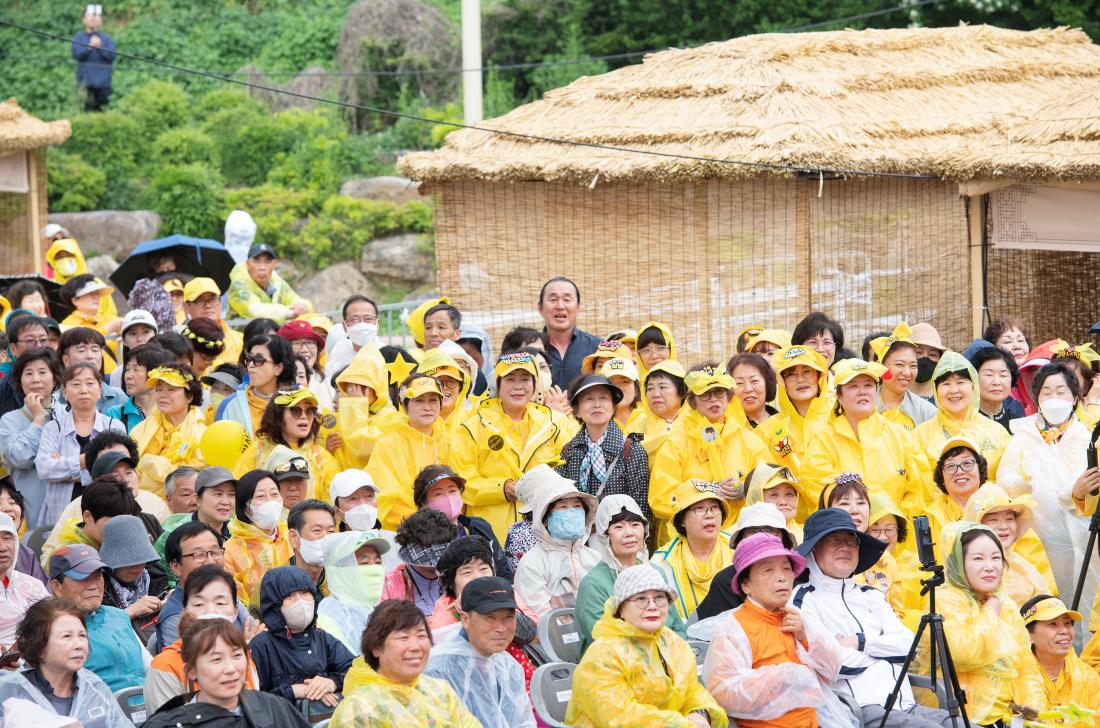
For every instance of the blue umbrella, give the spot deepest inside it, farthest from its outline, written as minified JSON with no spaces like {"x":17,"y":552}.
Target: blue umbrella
{"x":195,"y":256}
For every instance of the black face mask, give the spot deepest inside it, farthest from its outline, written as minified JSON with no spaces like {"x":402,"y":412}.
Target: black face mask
{"x":925,"y":367}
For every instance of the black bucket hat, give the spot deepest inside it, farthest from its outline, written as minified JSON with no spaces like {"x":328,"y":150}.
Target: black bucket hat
{"x":595,"y":380}
{"x":830,"y":520}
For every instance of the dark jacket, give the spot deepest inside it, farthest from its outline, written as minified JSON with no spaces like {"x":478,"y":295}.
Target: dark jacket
{"x":258,"y":711}
{"x":564,"y":370}
{"x":721,"y":597}
{"x":93,"y":65}
{"x":284,"y":659}
{"x":11,"y":396}
{"x":502,"y":565}
{"x":627,"y":459}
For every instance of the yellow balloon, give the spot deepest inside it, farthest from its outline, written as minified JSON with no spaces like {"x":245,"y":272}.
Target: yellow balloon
{"x":224,"y":442}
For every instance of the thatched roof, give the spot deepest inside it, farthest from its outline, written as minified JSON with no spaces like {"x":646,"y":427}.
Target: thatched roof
{"x":972,"y":102}
{"x":19,"y":131}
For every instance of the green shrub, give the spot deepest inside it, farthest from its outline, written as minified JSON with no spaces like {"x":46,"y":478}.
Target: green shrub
{"x":345,"y":225}
{"x":108,"y":140}
{"x":184,"y":146}
{"x":73,"y":184}
{"x":224,"y":98}
{"x":247,"y":143}
{"x":157,"y":106}
{"x":190,"y":200}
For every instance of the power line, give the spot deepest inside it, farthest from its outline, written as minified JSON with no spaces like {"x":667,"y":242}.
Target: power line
{"x":500,"y":132}
{"x":515,"y":66}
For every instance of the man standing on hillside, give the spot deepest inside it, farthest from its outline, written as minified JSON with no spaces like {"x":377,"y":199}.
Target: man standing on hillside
{"x":94,"y":53}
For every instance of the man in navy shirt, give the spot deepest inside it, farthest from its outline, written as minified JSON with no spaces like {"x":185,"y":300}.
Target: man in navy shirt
{"x":559,"y":302}
{"x":94,"y":53}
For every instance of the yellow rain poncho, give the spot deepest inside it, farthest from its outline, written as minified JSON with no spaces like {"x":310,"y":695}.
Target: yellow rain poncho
{"x":990,"y":437}
{"x":437,"y":362}
{"x":363,"y":421}
{"x":1077,"y":683}
{"x":490,"y":449}
{"x":415,"y":321}
{"x":248,"y":300}
{"x":399,"y":457}
{"x":766,"y":476}
{"x":900,"y":567}
{"x":63,"y":271}
{"x":801,"y":428}
{"x":670,"y":342}
{"x":654,"y":428}
{"x":163,"y":447}
{"x":991,"y":651}
{"x":371,"y":700}
{"x":250,"y":553}
{"x":1029,"y":571}
{"x":629,"y":677}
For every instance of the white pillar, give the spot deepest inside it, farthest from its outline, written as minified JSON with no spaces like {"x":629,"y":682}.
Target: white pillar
{"x":471,"y":59}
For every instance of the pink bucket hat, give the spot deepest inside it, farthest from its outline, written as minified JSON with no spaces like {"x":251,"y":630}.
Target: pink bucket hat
{"x":758,"y":547}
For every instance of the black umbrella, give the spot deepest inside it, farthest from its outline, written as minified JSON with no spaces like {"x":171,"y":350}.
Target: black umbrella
{"x":196,"y":256}
{"x":58,"y":308}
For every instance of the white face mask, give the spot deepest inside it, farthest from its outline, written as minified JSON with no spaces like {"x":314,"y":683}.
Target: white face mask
{"x":298,"y":615}
{"x":1055,"y":410}
{"x":362,"y":334}
{"x":362,"y":517}
{"x":267,"y":514}
{"x":311,"y":551}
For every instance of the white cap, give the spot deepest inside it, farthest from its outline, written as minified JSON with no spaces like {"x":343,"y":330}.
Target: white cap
{"x":53,"y":229}
{"x":138,"y":316}
{"x":93,"y":286}
{"x":348,"y":481}
{"x":7,"y":524}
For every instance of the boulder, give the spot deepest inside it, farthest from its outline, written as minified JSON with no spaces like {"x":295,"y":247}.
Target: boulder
{"x":110,"y":232}
{"x":328,"y":289}
{"x":402,"y":259}
{"x":394,"y":189}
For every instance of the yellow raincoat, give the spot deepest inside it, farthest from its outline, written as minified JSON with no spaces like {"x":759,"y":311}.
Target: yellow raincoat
{"x":250,"y":553}
{"x":670,"y":342}
{"x":371,"y":700}
{"x":990,"y":437}
{"x":490,"y":449}
{"x":654,"y":428}
{"x":107,"y":309}
{"x":687,"y":455}
{"x":991,"y":652}
{"x":362,"y":421}
{"x":163,"y":447}
{"x":767,"y":476}
{"x":629,"y":677}
{"x":436,"y":361}
{"x":801,"y":428}
{"x":901,"y":570}
{"x":415,"y":322}
{"x":323,"y":467}
{"x":248,"y":300}
{"x":1077,"y":683}
{"x":397,"y":460}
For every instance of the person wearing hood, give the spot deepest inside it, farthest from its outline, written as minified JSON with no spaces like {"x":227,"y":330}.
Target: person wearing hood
{"x":475,"y":663}
{"x":417,"y":441}
{"x":1011,"y":519}
{"x":169,"y":435}
{"x":957,"y":400}
{"x":620,"y":539}
{"x":66,"y":260}
{"x":454,"y":380}
{"x":355,"y":575}
{"x":507,"y":437}
{"x":1046,"y":459}
{"x":655,"y":344}
{"x":984,"y":630}
{"x":873,"y":641}
{"x":415,"y":322}
{"x":364,"y":413}
{"x":804,"y":400}
{"x":18,"y":591}
{"x":294,"y":659}
{"x":930,"y":349}
{"x":1067,"y":679}
{"x":562,"y":518}
{"x":776,"y":484}
{"x":662,"y":405}
{"x":768,"y":664}
{"x":257,"y":291}
{"x":858,"y":439}
{"x":258,"y":540}
{"x":638,"y":671}
{"x":700,"y":549}
{"x":897,"y":403}
{"x":709,"y":443}
{"x":600,"y":459}
{"x":422,"y":538}
{"x":293,"y":419}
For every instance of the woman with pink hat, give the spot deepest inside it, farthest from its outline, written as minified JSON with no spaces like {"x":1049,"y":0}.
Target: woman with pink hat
{"x":767,"y":667}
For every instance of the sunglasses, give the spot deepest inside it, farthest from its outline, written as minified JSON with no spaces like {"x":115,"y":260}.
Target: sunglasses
{"x":295,"y":465}
{"x":255,"y":360}
{"x":300,"y":412}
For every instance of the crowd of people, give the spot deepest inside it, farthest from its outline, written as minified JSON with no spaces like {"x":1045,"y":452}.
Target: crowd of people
{"x":397,"y":522}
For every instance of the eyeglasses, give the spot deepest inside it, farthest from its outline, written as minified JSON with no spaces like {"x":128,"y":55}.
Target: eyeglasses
{"x":713,"y":394}
{"x":254,"y":360}
{"x":884,"y":532}
{"x":303,"y":344}
{"x":300,"y":412}
{"x":37,"y":341}
{"x":704,"y":510}
{"x":642,"y":601}
{"x":353,"y":320}
{"x":211,"y":555}
{"x":295,"y":465}
{"x":961,"y":467}
{"x":839,"y":540}
{"x":654,"y":349}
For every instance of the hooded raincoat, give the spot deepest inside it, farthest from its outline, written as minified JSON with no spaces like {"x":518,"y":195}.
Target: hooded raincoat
{"x":629,"y":677}
{"x":249,"y":301}
{"x":283,"y":658}
{"x":394,"y":464}
{"x":490,"y":449}
{"x":436,"y":361}
{"x":362,"y":421}
{"x":670,"y":342}
{"x":163,"y":447}
{"x":251,"y":552}
{"x":492,"y":688}
{"x":550,"y":573}
{"x":991,"y":651}
{"x":354,"y":590}
{"x":94,"y":705}
{"x":373,"y":701}
{"x":799,"y":428}
{"x":107,"y":309}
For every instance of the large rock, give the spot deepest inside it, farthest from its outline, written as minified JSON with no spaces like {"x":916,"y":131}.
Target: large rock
{"x":401,"y":259}
{"x":394,"y":189}
{"x":328,"y":289}
{"x":111,"y":232}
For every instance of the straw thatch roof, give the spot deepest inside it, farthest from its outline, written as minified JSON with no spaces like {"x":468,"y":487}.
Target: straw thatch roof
{"x":19,"y":131}
{"x":972,"y":102}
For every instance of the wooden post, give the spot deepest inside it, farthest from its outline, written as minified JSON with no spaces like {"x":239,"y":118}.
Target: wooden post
{"x":33,"y":211}
{"x":976,"y":220}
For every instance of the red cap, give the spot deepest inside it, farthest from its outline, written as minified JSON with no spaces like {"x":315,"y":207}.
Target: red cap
{"x":298,"y":329}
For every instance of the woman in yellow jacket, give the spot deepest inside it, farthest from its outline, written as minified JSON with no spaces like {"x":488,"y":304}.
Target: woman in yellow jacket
{"x":804,"y":400}
{"x":662,"y":404}
{"x":655,"y":345}
{"x":897,"y":402}
{"x":956,"y":393}
{"x":67,"y":260}
{"x":858,"y":439}
{"x":257,"y":539}
{"x":169,"y":435}
{"x":507,"y":436}
{"x":638,"y":672}
{"x":1066,"y":677}
{"x":984,"y":630}
{"x":84,"y":292}
{"x":364,"y":412}
{"x":293,"y":419}
{"x":776,"y":484}
{"x":889,"y":524}
{"x":709,"y":444}
{"x":417,"y":441}
{"x":455,"y":385}
{"x":605,"y":351}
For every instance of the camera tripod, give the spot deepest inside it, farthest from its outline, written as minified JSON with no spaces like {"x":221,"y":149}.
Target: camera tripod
{"x":1094,"y":523}
{"x":938,"y":652}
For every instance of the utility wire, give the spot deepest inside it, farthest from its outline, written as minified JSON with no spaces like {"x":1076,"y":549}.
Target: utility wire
{"x":500,"y":132}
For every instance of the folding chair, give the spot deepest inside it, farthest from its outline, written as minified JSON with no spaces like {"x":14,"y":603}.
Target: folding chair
{"x":700,"y":649}
{"x":132,"y":702}
{"x":551,"y":688}
{"x":560,"y":636}
{"x":923,"y":681}
{"x":35,"y":538}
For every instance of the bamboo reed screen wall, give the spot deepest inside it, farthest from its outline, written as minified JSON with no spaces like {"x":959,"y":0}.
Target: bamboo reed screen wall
{"x":16,"y":225}
{"x":710,"y":258}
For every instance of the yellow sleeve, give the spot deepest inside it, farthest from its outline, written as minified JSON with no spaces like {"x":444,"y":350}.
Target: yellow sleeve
{"x":482,"y":489}
{"x":818,"y":463}
{"x":391,"y":469}
{"x":601,"y":689}
{"x":666,"y":475}
{"x":975,"y":636}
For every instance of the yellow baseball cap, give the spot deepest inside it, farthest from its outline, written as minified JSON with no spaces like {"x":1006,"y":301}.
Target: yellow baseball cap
{"x":670,"y":367}
{"x":703,"y":380}
{"x":291,"y":397}
{"x":419,"y":386}
{"x":619,"y":367}
{"x":516,"y":361}
{"x":608,"y":349}
{"x":794,"y":356}
{"x":198,"y":286}
{"x":1047,"y":609}
{"x":168,"y":375}
{"x":173,"y":285}
{"x":846,"y":370}
{"x":959,"y":441}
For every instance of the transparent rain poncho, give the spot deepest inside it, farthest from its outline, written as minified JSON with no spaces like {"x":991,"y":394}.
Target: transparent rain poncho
{"x":492,"y":688}
{"x":354,"y":590}
{"x":94,"y":704}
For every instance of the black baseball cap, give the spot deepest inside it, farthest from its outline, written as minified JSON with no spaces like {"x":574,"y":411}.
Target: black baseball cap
{"x":107,"y":461}
{"x":258,"y":249}
{"x":487,"y":594}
